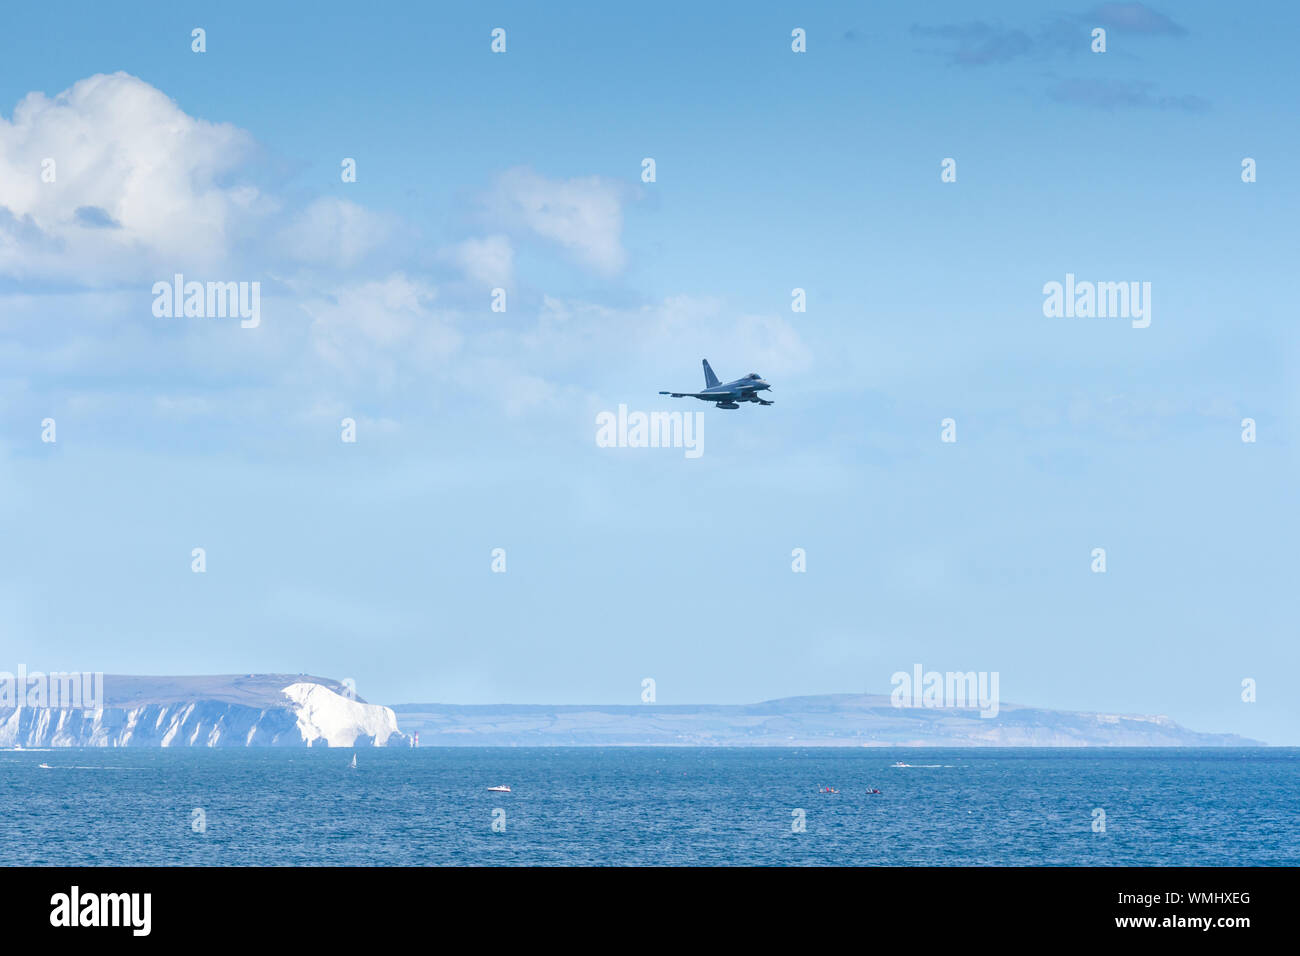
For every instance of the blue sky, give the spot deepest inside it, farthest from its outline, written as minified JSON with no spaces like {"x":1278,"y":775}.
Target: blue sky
{"x":775,"y":170}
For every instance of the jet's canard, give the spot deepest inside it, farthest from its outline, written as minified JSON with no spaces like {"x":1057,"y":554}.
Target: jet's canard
{"x":730,"y":395}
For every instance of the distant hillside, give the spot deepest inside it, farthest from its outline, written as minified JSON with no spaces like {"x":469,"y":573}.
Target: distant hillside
{"x":844,"y":720}
{"x":297,"y":710}
{"x":249,"y":690}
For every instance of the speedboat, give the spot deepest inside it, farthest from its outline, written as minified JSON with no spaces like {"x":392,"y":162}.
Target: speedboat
{"x":498,"y":789}
{"x":900,"y":764}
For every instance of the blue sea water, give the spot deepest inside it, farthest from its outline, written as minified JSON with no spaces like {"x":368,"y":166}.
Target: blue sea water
{"x":640,"y":806}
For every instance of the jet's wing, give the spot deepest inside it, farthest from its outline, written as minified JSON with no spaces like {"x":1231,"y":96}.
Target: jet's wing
{"x":690,"y":395}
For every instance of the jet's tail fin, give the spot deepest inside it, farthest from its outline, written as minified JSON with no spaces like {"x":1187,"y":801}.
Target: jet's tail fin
{"x":709,"y":378}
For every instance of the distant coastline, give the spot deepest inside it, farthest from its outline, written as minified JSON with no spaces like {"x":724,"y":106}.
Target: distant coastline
{"x":299,"y":710}
{"x":831,"y":720}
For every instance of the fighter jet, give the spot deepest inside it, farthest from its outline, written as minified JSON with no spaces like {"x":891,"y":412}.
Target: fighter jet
{"x":730,"y":395}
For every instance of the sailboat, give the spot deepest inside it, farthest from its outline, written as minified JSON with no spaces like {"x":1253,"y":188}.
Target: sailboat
{"x":353,"y":765}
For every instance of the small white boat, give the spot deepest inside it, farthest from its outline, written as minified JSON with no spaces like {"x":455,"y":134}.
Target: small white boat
{"x":353,"y":765}
{"x":498,"y":789}
{"x":900,"y":764}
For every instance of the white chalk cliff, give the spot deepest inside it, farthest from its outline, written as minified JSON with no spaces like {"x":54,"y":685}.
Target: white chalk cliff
{"x":338,"y":721}
{"x":252,"y":711}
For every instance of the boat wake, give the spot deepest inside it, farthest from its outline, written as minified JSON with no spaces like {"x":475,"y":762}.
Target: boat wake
{"x":45,"y":766}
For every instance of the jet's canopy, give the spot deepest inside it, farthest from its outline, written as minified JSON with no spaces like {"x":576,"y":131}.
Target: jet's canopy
{"x":752,"y":375}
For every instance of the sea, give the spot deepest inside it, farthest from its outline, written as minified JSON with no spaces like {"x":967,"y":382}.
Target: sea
{"x":651,"y":807}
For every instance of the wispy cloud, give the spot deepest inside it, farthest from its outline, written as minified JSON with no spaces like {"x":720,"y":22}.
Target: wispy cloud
{"x":335,"y":232}
{"x":385,"y":331}
{"x":488,"y":261}
{"x":1123,"y":94}
{"x":584,"y":216}
{"x":1135,"y":18}
{"x":976,"y":43}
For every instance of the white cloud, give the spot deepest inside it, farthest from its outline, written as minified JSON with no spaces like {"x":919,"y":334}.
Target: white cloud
{"x":579,"y":351}
{"x":378,"y":329}
{"x":584,"y":216}
{"x":335,"y":232}
{"x":509,"y":384}
{"x":770,"y":342}
{"x":139,"y":185}
{"x":662,"y":335}
{"x":143,"y":190}
{"x":489,"y":261}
